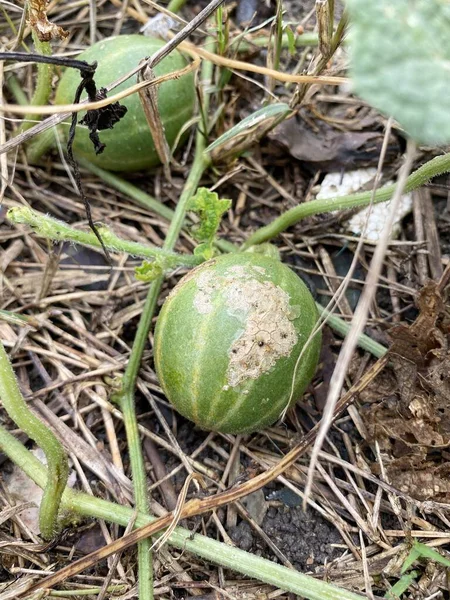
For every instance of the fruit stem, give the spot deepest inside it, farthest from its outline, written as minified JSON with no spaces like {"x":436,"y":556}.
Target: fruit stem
{"x":432,"y":168}
{"x":58,"y":468}
{"x":126,"y":396}
{"x":209,"y":549}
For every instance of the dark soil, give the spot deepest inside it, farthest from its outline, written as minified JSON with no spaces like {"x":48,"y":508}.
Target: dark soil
{"x":305,"y":538}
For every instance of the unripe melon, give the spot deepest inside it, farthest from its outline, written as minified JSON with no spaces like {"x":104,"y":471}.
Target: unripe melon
{"x":129,"y":145}
{"x":228,"y":339}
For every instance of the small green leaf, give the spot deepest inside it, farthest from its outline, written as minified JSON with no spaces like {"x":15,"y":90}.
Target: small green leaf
{"x":291,"y":40}
{"x":206,"y":251}
{"x":413,"y":555}
{"x":210,"y":209}
{"x":401,"y":586}
{"x":148,"y":271}
{"x":266,"y":249}
{"x":400,"y":56}
{"x":424,"y":551}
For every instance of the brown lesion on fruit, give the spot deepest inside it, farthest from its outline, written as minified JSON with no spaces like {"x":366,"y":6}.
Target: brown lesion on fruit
{"x":269,"y":332}
{"x":264,"y":311}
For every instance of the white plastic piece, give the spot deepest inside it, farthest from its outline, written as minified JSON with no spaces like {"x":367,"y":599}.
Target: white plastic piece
{"x":159,"y":26}
{"x":372,"y":219}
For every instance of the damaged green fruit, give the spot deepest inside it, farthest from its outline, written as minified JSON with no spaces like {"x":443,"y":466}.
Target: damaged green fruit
{"x":228,"y":341}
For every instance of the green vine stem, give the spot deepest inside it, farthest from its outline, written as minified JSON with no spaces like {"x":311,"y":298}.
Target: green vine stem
{"x":434,"y":167}
{"x":143,"y":199}
{"x":43,"y":87}
{"x":342,"y":328}
{"x":53,"y":229}
{"x":126,"y":397}
{"x":56,"y":230}
{"x":210,"y":550}
{"x":58,"y":468}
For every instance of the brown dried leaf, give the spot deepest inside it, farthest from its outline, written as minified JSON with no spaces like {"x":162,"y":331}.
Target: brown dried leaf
{"x":415,"y":342}
{"x":439,"y":378}
{"x":421,"y":429}
{"x":421,"y":480}
{"x":325,"y":147}
{"x":405,"y":370}
{"x":149,"y":100}
{"x":38,"y":21}
{"x":381,"y":388}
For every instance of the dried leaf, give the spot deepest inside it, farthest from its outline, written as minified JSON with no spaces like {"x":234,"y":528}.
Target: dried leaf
{"x":317,"y":143}
{"x":415,"y":342}
{"x":38,"y":21}
{"x":418,"y":429}
{"x":412,"y":421}
{"x":247,"y":132}
{"x":424,"y":481}
{"x":149,"y":100}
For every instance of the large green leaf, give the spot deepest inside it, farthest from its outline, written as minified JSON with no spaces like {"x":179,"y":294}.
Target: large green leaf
{"x":400,"y":62}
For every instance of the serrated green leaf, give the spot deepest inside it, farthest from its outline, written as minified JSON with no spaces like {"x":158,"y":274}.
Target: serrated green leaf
{"x":210,"y":208}
{"x":400,"y":62}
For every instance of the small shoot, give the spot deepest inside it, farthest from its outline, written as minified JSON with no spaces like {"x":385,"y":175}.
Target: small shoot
{"x":210,"y":208}
{"x":148,"y":271}
{"x":290,"y":40}
{"x":417,"y":552}
{"x":401,"y":586}
{"x":420,"y":550}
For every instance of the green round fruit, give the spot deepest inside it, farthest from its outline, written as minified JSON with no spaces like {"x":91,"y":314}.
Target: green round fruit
{"x":228,"y":339}
{"x":129,"y":146}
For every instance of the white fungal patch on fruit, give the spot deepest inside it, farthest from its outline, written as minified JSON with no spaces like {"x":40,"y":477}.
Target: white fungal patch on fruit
{"x":238,"y":271}
{"x":206,"y":285}
{"x":264,"y":312}
{"x":269,"y":332}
